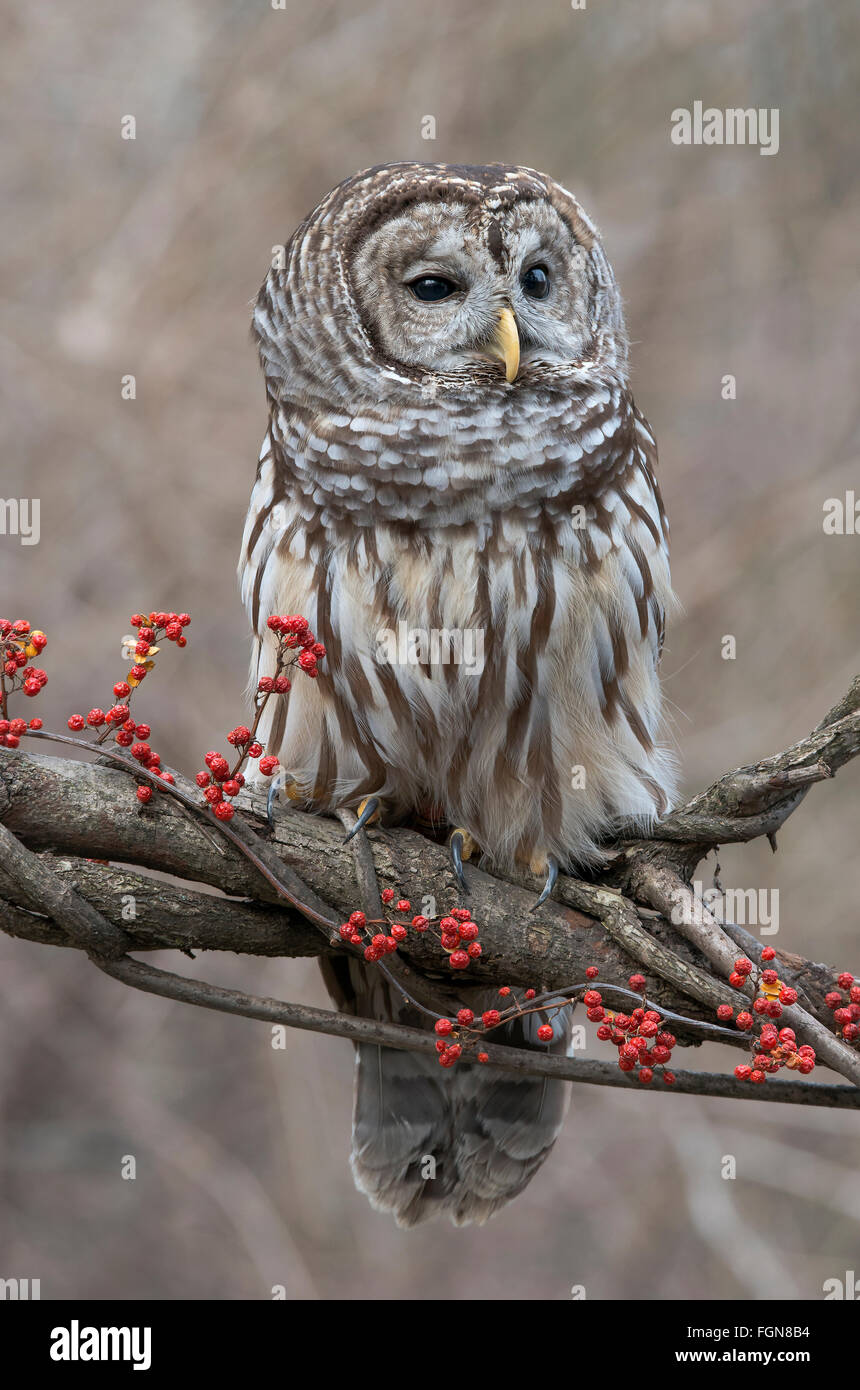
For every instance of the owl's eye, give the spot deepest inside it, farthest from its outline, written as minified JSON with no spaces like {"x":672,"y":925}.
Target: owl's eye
{"x":535,"y":282}
{"x":429,"y":288}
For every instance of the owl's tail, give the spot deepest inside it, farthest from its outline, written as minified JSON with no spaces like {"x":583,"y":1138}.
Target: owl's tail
{"x":429,"y":1141}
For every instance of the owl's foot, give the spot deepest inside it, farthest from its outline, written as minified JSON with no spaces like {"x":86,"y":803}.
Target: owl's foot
{"x":547,"y":864}
{"x":281,"y":782}
{"x":461,"y":846}
{"x":368,"y":811}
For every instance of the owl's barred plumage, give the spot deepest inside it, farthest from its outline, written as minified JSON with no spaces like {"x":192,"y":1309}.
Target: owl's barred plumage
{"x":404,"y":479}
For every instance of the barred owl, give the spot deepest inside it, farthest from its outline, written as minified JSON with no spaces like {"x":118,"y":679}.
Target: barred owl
{"x":453,"y":448}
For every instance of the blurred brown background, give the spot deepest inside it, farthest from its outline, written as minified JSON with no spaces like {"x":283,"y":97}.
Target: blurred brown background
{"x":143,"y":257}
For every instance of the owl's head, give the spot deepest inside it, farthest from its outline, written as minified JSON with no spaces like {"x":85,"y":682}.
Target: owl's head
{"x":445,"y":276}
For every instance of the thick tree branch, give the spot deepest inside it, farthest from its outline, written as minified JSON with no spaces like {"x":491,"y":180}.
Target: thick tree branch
{"x":58,"y":817}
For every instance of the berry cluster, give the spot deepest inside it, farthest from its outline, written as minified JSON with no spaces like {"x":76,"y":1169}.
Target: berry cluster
{"x":643,"y":1046}
{"x":19,"y":643}
{"x":297,"y":648}
{"x":141,"y":649}
{"x":771,"y":1047}
{"x":458,"y":934}
{"x":846,"y":1012}
{"x":465,"y":1032}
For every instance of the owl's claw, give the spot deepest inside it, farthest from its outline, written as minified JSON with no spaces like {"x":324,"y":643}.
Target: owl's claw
{"x":367,"y":811}
{"x":551,"y":879}
{"x":281,"y":782}
{"x":462,"y":846}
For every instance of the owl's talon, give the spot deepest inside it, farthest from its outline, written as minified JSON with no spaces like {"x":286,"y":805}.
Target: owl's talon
{"x":368,"y":810}
{"x":462,"y":846}
{"x":281,"y":782}
{"x":551,"y":880}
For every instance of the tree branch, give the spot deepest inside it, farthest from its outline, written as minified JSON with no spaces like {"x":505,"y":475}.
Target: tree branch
{"x":289,"y":888}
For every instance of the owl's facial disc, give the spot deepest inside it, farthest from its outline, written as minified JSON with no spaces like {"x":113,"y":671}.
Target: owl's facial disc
{"x":441,"y":287}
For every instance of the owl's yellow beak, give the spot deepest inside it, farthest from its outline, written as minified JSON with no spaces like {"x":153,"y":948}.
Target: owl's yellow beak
{"x":505,"y":344}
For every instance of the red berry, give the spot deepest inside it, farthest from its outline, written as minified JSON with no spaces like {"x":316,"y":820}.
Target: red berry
{"x":224,"y":811}
{"x":267,"y":765}
{"x":203,"y":779}
{"x":669,"y":1078}
{"x":646,"y":1075}
{"x":238,"y":736}
{"x":474,"y":949}
{"x":592,"y":972}
{"x":490,"y":1018}
{"x":404,"y":905}
{"x":845,"y":980}
{"x":35,"y":724}
{"x":458,"y":960}
{"x":76,"y":721}
{"x":282,"y":685}
{"x":95,"y":718}
{"x":387,"y":895}
{"x":124,"y":738}
{"x":725,"y":1011}
{"x":483,"y":1057}
{"x":466,"y":1017}
{"x":122,"y":690}
{"x":637,"y":982}
{"x":255,"y":750}
{"x":768,"y":953}
{"x":144,"y":794}
{"x":743,"y":966}
{"x":444,"y":1026}
{"x":420,"y":923}
{"x":399,"y":932}
{"x":357,"y":919}
{"x":744,"y":1021}
{"x":213,"y":795}
{"x":545,"y":1032}
{"x":266,"y":684}
{"x":231,"y":787}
